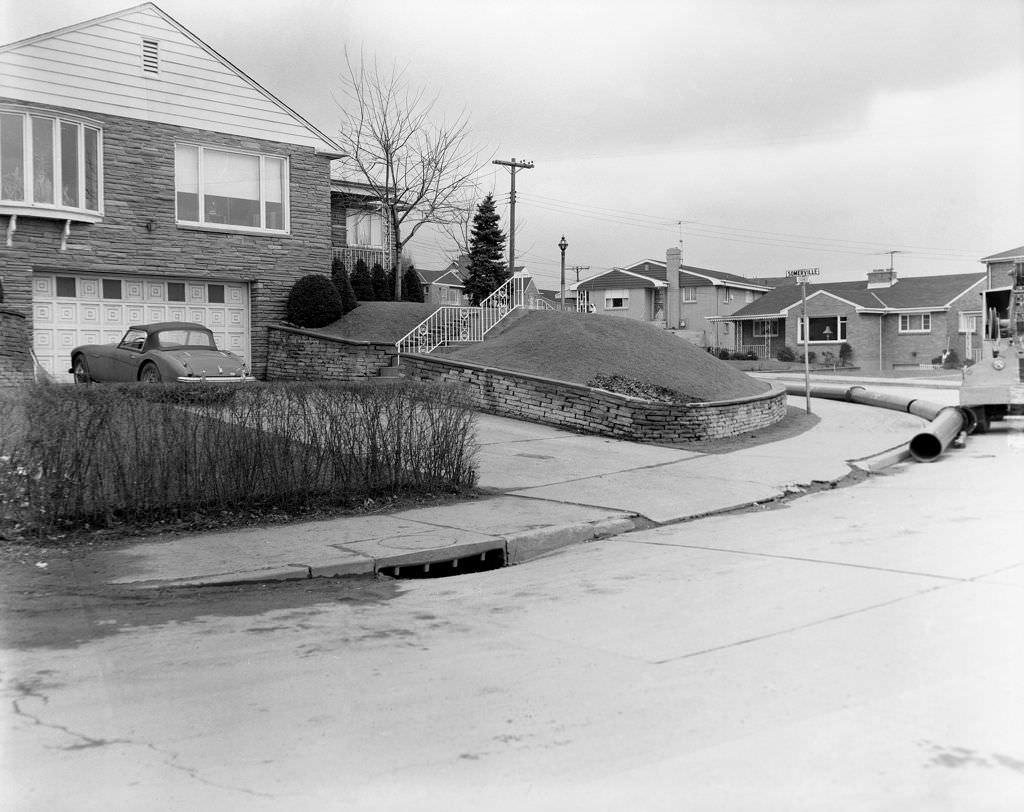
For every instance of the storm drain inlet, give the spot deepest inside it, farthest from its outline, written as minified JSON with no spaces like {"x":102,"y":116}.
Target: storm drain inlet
{"x":477,"y":562}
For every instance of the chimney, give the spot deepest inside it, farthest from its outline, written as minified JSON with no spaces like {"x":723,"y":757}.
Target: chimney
{"x":881,"y":278}
{"x":672,"y":259}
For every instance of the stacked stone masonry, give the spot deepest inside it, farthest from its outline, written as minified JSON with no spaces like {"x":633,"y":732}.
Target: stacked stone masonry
{"x":15,"y":360}
{"x":302,"y":355}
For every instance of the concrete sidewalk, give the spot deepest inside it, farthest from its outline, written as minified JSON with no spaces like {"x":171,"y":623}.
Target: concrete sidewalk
{"x":550,"y":488}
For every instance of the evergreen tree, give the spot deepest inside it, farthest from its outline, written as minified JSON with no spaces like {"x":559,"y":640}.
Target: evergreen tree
{"x":381,"y":292}
{"x":341,"y":281}
{"x":362,"y":284}
{"x":412,"y":288}
{"x":487,"y":269}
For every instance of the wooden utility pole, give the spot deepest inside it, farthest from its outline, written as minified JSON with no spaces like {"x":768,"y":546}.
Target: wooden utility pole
{"x":513,"y":166}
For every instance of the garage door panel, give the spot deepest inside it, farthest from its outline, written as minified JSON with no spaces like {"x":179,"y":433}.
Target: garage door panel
{"x":60,"y":324}
{"x":42,"y":313}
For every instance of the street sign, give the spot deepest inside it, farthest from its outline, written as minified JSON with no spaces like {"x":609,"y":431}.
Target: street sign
{"x":804,"y":272}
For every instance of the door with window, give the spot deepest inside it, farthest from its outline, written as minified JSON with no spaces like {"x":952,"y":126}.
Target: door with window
{"x":970,"y":324}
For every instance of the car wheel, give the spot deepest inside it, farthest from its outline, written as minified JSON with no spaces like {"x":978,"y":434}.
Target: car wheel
{"x":983,"y":418}
{"x":150,"y":374}
{"x":80,"y":369}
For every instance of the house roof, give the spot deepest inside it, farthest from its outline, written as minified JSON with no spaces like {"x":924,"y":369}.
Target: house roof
{"x":650,"y":273}
{"x":620,"y":278}
{"x":449,"y":276}
{"x":910,"y":293}
{"x":1013,"y":253}
{"x":156,"y":16}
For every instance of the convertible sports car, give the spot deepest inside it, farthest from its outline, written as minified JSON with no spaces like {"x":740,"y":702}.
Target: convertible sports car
{"x":172,"y":351}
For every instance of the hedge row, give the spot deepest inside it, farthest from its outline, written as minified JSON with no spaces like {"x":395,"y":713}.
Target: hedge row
{"x":73,"y":455}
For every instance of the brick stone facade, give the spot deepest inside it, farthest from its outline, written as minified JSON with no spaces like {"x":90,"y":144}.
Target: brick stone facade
{"x":15,"y":359}
{"x":297,"y":354}
{"x":138,"y":190}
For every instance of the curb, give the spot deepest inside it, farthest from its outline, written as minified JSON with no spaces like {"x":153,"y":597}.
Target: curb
{"x":536,"y":543}
{"x":886,"y":459}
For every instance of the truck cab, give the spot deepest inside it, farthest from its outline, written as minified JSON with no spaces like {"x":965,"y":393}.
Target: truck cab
{"x":994,"y":387}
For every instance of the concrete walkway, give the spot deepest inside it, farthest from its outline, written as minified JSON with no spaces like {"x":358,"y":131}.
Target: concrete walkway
{"x":550,"y":488}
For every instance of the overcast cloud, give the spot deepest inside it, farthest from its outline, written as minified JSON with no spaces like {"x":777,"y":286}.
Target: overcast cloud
{"x":781,"y":134}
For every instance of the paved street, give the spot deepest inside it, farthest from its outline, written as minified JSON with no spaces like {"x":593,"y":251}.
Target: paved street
{"x":856,"y":649}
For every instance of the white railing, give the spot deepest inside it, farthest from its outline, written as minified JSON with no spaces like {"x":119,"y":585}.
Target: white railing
{"x":449,"y":324}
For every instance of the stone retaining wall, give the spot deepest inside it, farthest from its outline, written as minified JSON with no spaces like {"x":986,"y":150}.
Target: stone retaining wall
{"x":302,"y":355}
{"x":15,"y":359}
{"x":594,"y":411}
{"x":297,"y":354}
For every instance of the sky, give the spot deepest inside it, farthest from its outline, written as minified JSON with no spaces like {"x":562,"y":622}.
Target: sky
{"x":760,"y":135}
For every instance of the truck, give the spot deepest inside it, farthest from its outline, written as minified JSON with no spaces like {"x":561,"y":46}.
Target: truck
{"x":993,"y":388}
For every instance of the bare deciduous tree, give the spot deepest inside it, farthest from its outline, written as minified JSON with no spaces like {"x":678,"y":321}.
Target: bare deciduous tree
{"x":418,"y":168}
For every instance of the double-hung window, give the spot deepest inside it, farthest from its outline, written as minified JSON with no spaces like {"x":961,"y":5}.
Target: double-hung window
{"x":222,"y":188}
{"x":915,"y":322}
{"x":689,"y":294}
{"x":50,"y":166}
{"x":766,"y":328}
{"x":364,"y":229}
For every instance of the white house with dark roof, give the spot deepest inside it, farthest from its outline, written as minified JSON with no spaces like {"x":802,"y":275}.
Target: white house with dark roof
{"x":888,"y":322}
{"x":683,"y":300}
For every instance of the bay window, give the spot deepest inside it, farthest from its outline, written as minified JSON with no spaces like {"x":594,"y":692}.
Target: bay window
{"x":823,"y":329}
{"x":227,"y":189}
{"x":50,"y":166}
{"x":915,"y":322}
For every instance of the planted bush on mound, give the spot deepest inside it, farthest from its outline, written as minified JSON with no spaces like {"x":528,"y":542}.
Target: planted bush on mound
{"x":101,"y":455}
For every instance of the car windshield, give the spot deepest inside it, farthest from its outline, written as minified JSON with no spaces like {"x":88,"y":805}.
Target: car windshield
{"x":173,"y":339}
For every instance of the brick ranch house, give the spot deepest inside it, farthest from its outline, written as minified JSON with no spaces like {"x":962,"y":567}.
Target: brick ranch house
{"x":888,"y":322}
{"x":683,"y":300}
{"x":146,"y":178}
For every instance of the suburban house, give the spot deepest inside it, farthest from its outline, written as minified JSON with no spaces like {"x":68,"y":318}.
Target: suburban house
{"x":447,"y":286}
{"x":998,"y":267}
{"x":684,"y":300}
{"x":146,"y":178}
{"x":888,"y":322}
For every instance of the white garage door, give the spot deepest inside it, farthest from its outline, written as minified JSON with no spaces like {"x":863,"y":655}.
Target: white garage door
{"x":69,"y":310}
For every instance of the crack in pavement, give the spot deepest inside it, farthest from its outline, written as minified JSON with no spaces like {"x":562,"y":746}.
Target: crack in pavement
{"x":86,"y":742}
{"x":791,"y":629}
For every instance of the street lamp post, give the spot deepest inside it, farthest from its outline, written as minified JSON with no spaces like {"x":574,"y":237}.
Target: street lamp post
{"x":562,"y":244}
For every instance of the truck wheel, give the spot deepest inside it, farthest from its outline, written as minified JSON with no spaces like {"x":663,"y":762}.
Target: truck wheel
{"x":982,"y":416}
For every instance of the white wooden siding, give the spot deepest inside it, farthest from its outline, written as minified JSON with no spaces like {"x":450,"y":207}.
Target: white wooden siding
{"x":98,"y":68}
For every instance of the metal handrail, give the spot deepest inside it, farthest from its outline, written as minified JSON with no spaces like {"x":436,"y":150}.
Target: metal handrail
{"x":449,"y":323}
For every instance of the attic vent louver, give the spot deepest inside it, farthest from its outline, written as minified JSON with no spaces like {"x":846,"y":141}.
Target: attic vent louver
{"x":150,"y":56}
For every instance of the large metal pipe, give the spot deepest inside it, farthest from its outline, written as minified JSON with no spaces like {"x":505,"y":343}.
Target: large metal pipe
{"x":944,"y":426}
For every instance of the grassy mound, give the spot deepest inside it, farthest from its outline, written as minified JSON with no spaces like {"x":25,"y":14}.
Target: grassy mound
{"x":384,"y":322}
{"x":577,"y":347}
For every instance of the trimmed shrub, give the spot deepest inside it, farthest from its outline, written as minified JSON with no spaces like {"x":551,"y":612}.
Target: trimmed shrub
{"x":786,"y":354}
{"x":379,"y":281}
{"x":845,"y":354}
{"x":362,"y":284}
{"x":412,"y":288}
{"x":314,"y":301}
{"x":723,"y":354}
{"x":77,"y":456}
{"x":341,"y":281}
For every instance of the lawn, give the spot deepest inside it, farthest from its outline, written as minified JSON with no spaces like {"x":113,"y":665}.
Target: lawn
{"x":577,"y":347}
